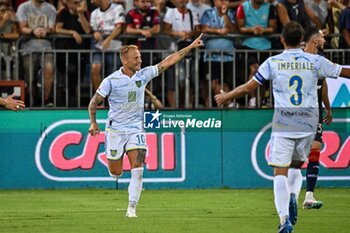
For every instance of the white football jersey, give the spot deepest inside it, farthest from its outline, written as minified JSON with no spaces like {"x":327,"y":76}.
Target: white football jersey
{"x":294,"y":76}
{"x":126,"y":98}
{"x":105,"y":21}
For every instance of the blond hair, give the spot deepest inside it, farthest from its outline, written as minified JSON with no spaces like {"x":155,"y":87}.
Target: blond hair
{"x":125,"y":50}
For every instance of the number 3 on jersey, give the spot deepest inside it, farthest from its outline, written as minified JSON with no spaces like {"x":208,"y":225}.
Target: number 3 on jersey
{"x":296,"y":82}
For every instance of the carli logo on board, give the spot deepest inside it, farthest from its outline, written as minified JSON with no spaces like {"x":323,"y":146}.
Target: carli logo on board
{"x":66,"y":152}
{"x":334,"y":159}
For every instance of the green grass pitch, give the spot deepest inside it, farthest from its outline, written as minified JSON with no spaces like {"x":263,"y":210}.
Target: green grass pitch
{"x":159,"y":211}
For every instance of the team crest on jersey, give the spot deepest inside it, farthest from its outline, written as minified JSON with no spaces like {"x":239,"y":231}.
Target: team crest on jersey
{"x":113,"y":153}
{"x":138,"y":83}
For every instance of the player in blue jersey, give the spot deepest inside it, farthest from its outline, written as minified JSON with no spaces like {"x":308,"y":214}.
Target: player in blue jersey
{"x":125,"y":90}
{"x":294,"y":75}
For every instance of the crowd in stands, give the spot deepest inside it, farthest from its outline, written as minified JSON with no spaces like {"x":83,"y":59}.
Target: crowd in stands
{"x":106,"y":21}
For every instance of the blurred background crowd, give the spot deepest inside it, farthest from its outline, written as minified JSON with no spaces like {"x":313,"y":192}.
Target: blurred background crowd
{"x":62,"y":49}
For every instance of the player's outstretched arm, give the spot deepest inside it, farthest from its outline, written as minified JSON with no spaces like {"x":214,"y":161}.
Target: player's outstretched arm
{"x":238,"y":92}
{"x":174,"y":58}
{"x":94,"y":102}
{"x":12,"y":104}
{"x":345,"y":72}
{"x":328,"y":118}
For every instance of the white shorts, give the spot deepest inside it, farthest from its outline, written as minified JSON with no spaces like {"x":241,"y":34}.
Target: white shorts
{"x":284,"y":150}
{"x":117,"y":144}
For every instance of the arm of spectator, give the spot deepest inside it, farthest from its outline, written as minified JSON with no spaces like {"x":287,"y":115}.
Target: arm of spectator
{"x":145,"y":32}
{"x":83,"y":18}
{"x":25,"y":29}
{"x":168,"y":30}
{"x":156,"y":102}
{"x":346,"y":35}
{"x":235,"y":4}
{"x":313,"y":17}
{"x":60,"y":30}
{"x":337,"y":4}
{"x":282,"y":14}
{"x":14,"y":34}
{"x":115,"y":33}
{"x":229,"y":25}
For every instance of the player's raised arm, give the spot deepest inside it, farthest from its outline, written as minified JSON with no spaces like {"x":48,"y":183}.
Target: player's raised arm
{"x":345,"y":72}
{"x":94,"y":102}
{"x":238,"y":92}
{"x":174,"y":58}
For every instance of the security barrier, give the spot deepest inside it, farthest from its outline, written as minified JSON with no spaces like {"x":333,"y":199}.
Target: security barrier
{"x":188,"y":80}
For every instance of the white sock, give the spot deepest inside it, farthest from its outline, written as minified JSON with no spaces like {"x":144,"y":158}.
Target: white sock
{"x":295,"y":180}
{"x":114,"y":176}
{"x":309,"y":195}
{"x":135,"y":185}
{"x":281,"y":192}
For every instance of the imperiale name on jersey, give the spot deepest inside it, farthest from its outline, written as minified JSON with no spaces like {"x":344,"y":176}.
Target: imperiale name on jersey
{"x":295,"y":66}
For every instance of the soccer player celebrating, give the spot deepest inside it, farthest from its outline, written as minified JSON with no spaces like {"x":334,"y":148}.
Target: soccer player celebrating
{"x":314,"y":42}
{"x":125,"y":89}
{"x":294,"y":75}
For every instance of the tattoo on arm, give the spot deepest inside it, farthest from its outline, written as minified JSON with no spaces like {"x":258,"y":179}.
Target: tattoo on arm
{"x":172,"y":59}
{"x":95,"y":101}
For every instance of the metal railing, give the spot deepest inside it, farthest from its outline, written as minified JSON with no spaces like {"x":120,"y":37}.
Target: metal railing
{"x":190,"y":80}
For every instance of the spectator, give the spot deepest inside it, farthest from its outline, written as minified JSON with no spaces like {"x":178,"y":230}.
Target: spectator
{"x":320,"y":9}
{"x":183,"y":25}
{"x":336,"y":7}
{"x":297,"y":10}
{"x":73,"y":21}
{"x":198,"y":7}
{"x":256,"y":18}
{"x":144,"y":21}
{"x":219,"y":21}
{"x":107,"y":24}
{"x":344,"y":27}
{"x":37,"y":18}
{"x":8,"y":33}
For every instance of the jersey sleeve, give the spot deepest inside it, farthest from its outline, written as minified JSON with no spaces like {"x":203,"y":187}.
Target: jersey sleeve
{"x":263,"y":72}
{"x":167,"y":17}
{"x":205,"y":20}
{"x":93,"y":22}
{"x":149,"y":72}
{"x":120,"y":15}
{"x":21,"y":13}
{"x":128,"y":19}
{"x":52,"y":16}
{"x":240,"y":12}
{"x":105,"y":88}
{"x":326,"y":68}
{"x":156,"y":18}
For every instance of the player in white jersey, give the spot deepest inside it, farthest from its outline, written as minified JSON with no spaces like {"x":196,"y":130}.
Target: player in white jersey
{"x":314,"y":43}
{"x":125,"y":90}
{"x":294,"y":75}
